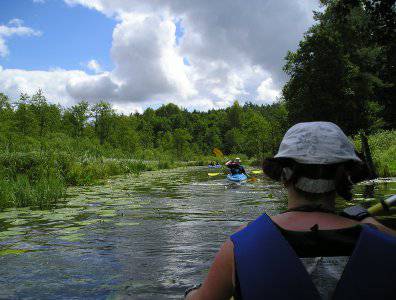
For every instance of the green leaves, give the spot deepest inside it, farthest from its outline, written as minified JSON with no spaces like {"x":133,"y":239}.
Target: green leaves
{"x":341,"y":68}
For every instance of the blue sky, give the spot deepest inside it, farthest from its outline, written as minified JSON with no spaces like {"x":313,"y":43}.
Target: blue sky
{"x":71,"y":36}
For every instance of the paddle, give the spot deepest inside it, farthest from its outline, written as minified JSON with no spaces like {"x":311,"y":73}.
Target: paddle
{"x":213,"y":174}
{"x":256,"y":171}
{"x":383,"y":206}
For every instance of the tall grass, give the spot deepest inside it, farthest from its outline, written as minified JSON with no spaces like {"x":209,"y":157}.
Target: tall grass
{"x":383,"y":150}
{"x":30,"y":179}
{"x":40,"y":179}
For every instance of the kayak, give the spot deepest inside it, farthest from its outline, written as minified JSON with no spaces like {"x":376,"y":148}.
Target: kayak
{"x":214,"y":166}
{"x":236,"y":177}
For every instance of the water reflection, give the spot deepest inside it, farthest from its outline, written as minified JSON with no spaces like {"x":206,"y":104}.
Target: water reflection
{"x":144,"y":238}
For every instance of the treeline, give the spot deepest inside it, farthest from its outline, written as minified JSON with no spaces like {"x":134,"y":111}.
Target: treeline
{"x":345,"y":67}
{"x":31,"y":123}
{"x":44,"y":148}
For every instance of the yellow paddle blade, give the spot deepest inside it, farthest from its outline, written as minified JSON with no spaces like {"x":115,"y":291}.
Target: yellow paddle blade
{"x":257,"y":171}
{"x":383,"y":206}
{"x":217,"y":152}
{"x":213,"y":174}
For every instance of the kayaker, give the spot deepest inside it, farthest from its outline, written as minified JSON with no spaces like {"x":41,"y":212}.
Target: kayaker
{"x":302,"y":252}
{"x":235,"y":166}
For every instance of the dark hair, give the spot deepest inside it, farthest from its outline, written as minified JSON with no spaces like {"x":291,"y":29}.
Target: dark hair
{"x":344,"y":174}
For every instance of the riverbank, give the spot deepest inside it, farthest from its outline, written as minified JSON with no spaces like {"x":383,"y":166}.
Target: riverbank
{"x":40,"y":179}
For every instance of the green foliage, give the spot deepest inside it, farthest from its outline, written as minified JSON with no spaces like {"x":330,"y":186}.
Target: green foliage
{"x":44,"y":148}
{"x":103,"y":120}
{"x":342,"y":72}
{"x":30,"y":179}
{"x":383,"y":149}
{"x":76,"y":118}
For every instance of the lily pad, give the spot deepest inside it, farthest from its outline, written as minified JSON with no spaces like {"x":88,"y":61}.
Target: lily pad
{"x":74,"y":237}
{"x":9,"y":233}
{"x":107,"y":213}
{"x":19,"y":222}
{"x":88,"y":222}
{"x":68,"y":230}
{"x":12,"y":251}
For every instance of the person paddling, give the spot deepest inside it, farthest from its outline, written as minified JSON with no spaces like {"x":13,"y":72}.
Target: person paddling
{"x":235,"y":166}
{"x":308,"y":251}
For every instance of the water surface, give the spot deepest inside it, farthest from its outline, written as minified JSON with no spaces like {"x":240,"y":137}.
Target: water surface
{"x":146,"y":237}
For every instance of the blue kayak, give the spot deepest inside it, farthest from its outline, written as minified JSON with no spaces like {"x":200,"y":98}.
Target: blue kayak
{"x":236,"y":177}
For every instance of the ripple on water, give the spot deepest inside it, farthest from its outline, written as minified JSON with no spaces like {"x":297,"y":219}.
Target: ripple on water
{"x":142,"y":237}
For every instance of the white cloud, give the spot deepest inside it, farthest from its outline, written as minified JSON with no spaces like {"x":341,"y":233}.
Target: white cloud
{"x":94,"y":66}
{"x":16,"y":22}
{"x":128,"y":108}
{"x":234,"y":50}
{"x":267,"y":92}
{"x":54,"y":83}
{"x":14,"y":27}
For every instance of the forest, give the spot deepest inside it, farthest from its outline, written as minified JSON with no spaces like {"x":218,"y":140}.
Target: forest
{"x":342,"y":71}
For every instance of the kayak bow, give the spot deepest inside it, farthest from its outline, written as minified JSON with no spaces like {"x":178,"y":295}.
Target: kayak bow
{"x":236,"y":177}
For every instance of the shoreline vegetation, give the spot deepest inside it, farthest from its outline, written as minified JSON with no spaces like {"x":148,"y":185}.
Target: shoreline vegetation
{"x":44,"y":148}
{"x":40,"y":179}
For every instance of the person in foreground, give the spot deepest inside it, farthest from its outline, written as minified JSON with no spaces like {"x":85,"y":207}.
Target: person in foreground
{"x":308,"y":251}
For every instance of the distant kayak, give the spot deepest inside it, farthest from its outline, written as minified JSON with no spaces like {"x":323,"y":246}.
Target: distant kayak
{"x":236,"y":177}
{"x":214,"y":166}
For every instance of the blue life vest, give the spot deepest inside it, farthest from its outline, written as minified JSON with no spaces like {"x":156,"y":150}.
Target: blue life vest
{"x":268,"y":268}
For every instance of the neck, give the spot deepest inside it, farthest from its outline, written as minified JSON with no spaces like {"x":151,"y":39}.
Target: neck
{"x":297,"y":200}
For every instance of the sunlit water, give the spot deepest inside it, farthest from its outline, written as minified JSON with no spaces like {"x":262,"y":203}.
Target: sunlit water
{"x":146,"y":237}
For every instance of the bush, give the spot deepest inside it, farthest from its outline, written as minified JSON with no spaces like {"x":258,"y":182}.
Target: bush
{"x":383,"y":151}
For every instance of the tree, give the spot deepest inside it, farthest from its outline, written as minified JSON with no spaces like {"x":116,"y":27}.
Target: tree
{"x":6,"y":120}
{"x":103,"y":120}
{"x":47,"y":115}
{"x":335,"y":73}
{"x":181,"y":139}
{"x":233,"y":141}
{"x":25,"y":119}
{"x":124,"y":135}
{"x":78,"y":116}
{"x":235,"y":115}
{"x":382,"y":20}
{"x":4,"y":102}
{"x":258,"y":138}
{"x":212,"y":138}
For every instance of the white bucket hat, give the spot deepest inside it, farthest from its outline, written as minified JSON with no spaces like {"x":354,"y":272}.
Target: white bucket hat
{"x":321,"y":143}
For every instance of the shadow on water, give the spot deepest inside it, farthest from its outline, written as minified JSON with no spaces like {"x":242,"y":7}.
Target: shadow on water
{"x":146,"y":237}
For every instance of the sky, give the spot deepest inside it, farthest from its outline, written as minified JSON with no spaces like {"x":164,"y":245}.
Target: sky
{"x":198,"y":54}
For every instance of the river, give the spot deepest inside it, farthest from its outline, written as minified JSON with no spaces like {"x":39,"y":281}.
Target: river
{"x":146,"y":237}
